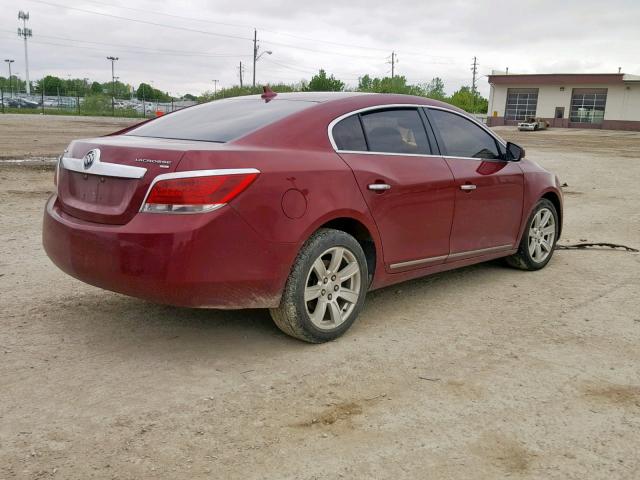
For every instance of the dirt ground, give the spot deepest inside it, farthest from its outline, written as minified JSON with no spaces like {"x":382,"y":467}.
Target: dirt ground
{"x":480,"y":373}
{"x":38,"y":137}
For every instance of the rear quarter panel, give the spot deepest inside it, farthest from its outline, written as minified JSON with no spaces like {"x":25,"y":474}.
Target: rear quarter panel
{"x":324,"y":186}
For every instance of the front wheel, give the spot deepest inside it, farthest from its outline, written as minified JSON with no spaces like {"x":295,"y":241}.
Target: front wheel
{"x":539,"y":238}
{"x":326,"y":288}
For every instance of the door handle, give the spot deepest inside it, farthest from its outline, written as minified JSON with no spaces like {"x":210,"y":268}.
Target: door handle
{"x":467,"y":187}
{"x":379,"y":187}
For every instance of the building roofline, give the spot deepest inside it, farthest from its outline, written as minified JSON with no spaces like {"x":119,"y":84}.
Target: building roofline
{"x":560,"y":78}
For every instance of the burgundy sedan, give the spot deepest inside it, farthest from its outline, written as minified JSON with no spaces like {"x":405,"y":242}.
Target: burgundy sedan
{"x":300,"y":203}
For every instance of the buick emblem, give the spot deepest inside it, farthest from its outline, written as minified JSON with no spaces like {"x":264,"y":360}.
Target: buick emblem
{"x":90,"y":157}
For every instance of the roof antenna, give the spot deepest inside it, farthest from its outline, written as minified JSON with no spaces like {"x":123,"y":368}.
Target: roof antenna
{"x":268,"y":94}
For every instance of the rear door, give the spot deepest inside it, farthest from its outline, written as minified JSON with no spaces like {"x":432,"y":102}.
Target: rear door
{"x":489,"y":190}
{"x":408,"y":189}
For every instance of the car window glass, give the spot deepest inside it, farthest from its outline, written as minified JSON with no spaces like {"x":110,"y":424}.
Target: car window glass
{"x":220,"y":120}
{"x":462,"y":137}
{"x":396,"y":131}
{"x":348,"y":135}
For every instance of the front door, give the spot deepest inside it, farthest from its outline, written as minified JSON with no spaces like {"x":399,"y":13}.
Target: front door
{"x":489,"y":190}
{"x":409,"y":191}
{"x":558,"y":118}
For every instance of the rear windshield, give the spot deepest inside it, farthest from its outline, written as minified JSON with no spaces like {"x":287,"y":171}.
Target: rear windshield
{"x":221,"y":120}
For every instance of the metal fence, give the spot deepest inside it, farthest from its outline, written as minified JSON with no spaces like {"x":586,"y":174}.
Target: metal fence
{"x":12,"y":102}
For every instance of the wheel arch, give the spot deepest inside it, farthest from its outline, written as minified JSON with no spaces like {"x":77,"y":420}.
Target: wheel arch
{"x":361,"y":233}
{"x":554,"y":198}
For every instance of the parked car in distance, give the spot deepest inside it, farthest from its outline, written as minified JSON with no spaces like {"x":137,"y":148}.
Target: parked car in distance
{"x":18,"y":102}
{"x":300,"y":203}
{"x":533,"y":124}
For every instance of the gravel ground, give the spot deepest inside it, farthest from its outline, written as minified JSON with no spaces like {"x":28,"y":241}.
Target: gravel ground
{"x":483,"y":373}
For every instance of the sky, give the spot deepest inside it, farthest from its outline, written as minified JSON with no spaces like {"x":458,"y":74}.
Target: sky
{"x":182,"y":46}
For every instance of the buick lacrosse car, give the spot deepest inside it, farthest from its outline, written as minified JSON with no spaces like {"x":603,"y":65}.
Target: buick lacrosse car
{"x":300,"y":203}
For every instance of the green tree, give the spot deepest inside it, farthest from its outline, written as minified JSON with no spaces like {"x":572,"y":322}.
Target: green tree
{"x":96,"y":88}
{"x":397,"y":84}
{"x":469,"y":101}
{"x":51,"y":85}
{"x":435,"y":89}
{"x":322,"y":83}
{"x":147,"y":92}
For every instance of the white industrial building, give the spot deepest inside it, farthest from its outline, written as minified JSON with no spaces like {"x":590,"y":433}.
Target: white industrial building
{"x":601,"y":100}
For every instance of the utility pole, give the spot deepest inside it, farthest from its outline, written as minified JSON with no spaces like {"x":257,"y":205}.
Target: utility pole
{"x":255,"y":54}
{"x":215,"y":88}
{"x":113,"y":85}
{"x":25,"y":33}
{"x":393,"y":64}
{"x":9,"y":62}
{"x":257,"y":57}
{"x":240,"y":70}
{"x":393,"y":61}
{"x":474,"y":69}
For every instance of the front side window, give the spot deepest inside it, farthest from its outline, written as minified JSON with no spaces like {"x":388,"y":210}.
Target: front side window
{"x":463,"y":138}
{"x":348,"y":135}
{"x":396,"y":131}
{"x":587,"y":105}
{"x":220,"y":120}
{"x":521,"y":104}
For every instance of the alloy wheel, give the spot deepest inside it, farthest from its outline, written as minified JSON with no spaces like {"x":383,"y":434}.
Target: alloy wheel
{"x":542,"y":233}
{"x":332,"y":288}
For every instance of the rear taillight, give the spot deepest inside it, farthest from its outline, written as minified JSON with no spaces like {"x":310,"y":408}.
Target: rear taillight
{"x":197,"y":191}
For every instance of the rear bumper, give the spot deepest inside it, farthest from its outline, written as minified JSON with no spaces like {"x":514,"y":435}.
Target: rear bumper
{"x":213,"y":260}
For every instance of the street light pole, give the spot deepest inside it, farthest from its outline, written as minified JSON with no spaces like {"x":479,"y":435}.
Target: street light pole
{"x":113,"y":85}
{"x":9,"y":62}
{"x":25,"y":33}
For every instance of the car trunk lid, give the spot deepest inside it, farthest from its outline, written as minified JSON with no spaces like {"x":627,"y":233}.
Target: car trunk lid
{"x":105,"y":180}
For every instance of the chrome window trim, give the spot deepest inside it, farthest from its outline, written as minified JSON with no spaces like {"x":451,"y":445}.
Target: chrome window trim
{"x":405,"y":105}
{"x":467,"y":253}
{"x":391,"y":153}
{"x":103,"y":169}
{"x":190,"y":174}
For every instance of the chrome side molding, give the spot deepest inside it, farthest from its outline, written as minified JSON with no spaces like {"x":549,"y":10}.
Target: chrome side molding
{"x":451,"y":256}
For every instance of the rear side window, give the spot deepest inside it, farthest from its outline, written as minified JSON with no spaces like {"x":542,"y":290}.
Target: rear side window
{"x":396,"y":131}
{"x":462,"y":137}
{"x":348,"y":135}
{"x":221,"y":120}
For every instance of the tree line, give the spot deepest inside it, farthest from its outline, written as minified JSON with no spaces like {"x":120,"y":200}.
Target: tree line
{"x":463,"y":98}
{"x":51,"y":85}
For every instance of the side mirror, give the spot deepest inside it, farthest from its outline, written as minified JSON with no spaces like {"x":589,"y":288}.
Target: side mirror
{"x":515,"y":153}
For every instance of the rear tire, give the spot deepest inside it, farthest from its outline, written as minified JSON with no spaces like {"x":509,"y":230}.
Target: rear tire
{"x":539,"y":238}
{"x":326,"y":288}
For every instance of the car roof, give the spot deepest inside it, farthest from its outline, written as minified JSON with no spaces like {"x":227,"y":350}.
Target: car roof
{"x":364,"y":98}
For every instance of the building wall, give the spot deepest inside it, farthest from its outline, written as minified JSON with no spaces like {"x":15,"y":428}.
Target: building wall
{"x":621,"y":111}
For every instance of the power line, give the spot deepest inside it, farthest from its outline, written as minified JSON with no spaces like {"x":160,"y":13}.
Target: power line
{"x":276,"y":32}
{"x":146,"y":22}
{"x":127,"y":48}
{"x":205,"y":32}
